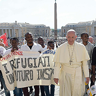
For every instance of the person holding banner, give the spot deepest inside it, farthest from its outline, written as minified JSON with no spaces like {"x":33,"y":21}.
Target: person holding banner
{"x":30,"y":46}
{"x":14,"y":42}
{"x":52,"y":87}
{"x":70,"y":63}
{"x":41,"y":42}
{"x":7,"y":92}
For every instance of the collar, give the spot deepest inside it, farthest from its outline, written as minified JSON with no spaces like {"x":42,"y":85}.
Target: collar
{"x":70,"y":45}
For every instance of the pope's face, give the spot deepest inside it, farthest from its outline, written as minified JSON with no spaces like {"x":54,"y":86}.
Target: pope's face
{"x":71,"y":37}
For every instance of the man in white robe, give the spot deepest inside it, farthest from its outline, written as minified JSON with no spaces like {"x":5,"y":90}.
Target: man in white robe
{"x":71,"y":61}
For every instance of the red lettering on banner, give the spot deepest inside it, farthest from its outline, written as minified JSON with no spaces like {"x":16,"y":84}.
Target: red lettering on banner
{"x":17,"y":53}
{"x":8,"y":56}
{"x":20,"y":53}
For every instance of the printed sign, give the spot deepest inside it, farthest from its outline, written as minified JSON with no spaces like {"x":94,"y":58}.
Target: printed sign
{"x":23,"y":69}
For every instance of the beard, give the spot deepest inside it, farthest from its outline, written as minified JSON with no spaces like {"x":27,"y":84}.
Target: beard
{"x":30,"y":42}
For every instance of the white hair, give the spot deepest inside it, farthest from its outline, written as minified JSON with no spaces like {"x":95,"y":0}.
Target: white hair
{"x":90,"y":37}
{"x":71,"y":30}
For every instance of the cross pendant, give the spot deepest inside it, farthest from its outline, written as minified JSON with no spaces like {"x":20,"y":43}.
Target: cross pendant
{"x":70,"y":62}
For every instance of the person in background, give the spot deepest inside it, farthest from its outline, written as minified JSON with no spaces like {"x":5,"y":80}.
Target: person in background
{"x":3,"y":45}
{"x":14,"y":42}
{"x":41,"y":42}
{"x":2,"y":52}
{"x":30,"y":46}
{"x":89,"y":46}
{"x":93,"y":66}
{"x":91,"y":40}
{"x":52,"y":87}
{"x":70,"y":62}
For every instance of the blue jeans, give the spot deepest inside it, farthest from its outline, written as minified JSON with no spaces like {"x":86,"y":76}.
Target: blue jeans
{"x":7,"y":92}
{"x":18,"y":91}
{"x":52,"y":89}
{"x":46,"y":89}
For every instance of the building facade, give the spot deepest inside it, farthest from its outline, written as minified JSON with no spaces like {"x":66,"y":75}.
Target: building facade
{"x":19,"y":29}
{"x":89,"y":27}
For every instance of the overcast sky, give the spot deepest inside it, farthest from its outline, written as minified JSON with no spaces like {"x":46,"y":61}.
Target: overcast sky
{"x":42,"y":11}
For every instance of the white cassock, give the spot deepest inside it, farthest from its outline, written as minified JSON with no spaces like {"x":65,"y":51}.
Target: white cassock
{"x":70,"y":75}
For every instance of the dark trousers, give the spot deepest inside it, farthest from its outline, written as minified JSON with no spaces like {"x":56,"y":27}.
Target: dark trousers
{"x":25,"y":91}
{"x":42,"y":90}
{"x":37,"y":90}
{"x":92,"y":83}
{"x":7,"y":92}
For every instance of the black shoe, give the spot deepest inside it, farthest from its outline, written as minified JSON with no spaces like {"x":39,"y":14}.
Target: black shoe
{"x":1,"y":87}
{"x":31,"y":91}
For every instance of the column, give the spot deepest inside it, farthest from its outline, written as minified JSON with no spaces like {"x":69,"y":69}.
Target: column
{"x":2,"y":31}
{"x":6,"y":32}
{"x":20,"y":33}
{"x":92,"y":31}
{"x":13,"y":32}
{"x":9,"y":33}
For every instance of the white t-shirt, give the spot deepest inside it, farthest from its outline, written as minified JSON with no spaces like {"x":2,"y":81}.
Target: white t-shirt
{"x":44,"y":48}
{"x":2,"y":50}
{"x":36,"y":47}
{"x":7,"y":52}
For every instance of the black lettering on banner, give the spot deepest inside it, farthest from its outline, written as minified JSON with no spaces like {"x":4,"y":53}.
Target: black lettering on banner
{"x":44,"y":62}
{"x":23,"y":76}
{"x":17,"y":63}
{"x":10,"y":78}
{"x":12,"y":64}
{"x":40,"y":62}
{"x":46,"y":73}
{"x":35,"y":62}
{"x":48,"y":61}
{"x":31,"y":74}
{"x":30,"y":65}
{"x":40,"y":74}
{"x":5,"y":67}
{"x":52,"y":72}
{"x":24,"y":64}
{"x":26,"y":73}
{"x":18,"y":75}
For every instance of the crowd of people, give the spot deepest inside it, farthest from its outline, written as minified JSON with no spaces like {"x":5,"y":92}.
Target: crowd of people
{"x":74,"y":62}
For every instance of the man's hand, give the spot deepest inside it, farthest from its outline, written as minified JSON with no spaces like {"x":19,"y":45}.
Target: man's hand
{"x":90,"y":71}
{"x":48,"y":47}
{"x":0,"y":56}
{"x":87,"y":80}
{"x":14,"y":49}
{"x":56,"y":80}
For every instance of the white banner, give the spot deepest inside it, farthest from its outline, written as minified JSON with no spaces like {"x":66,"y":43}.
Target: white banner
{"x":23,"y":68}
